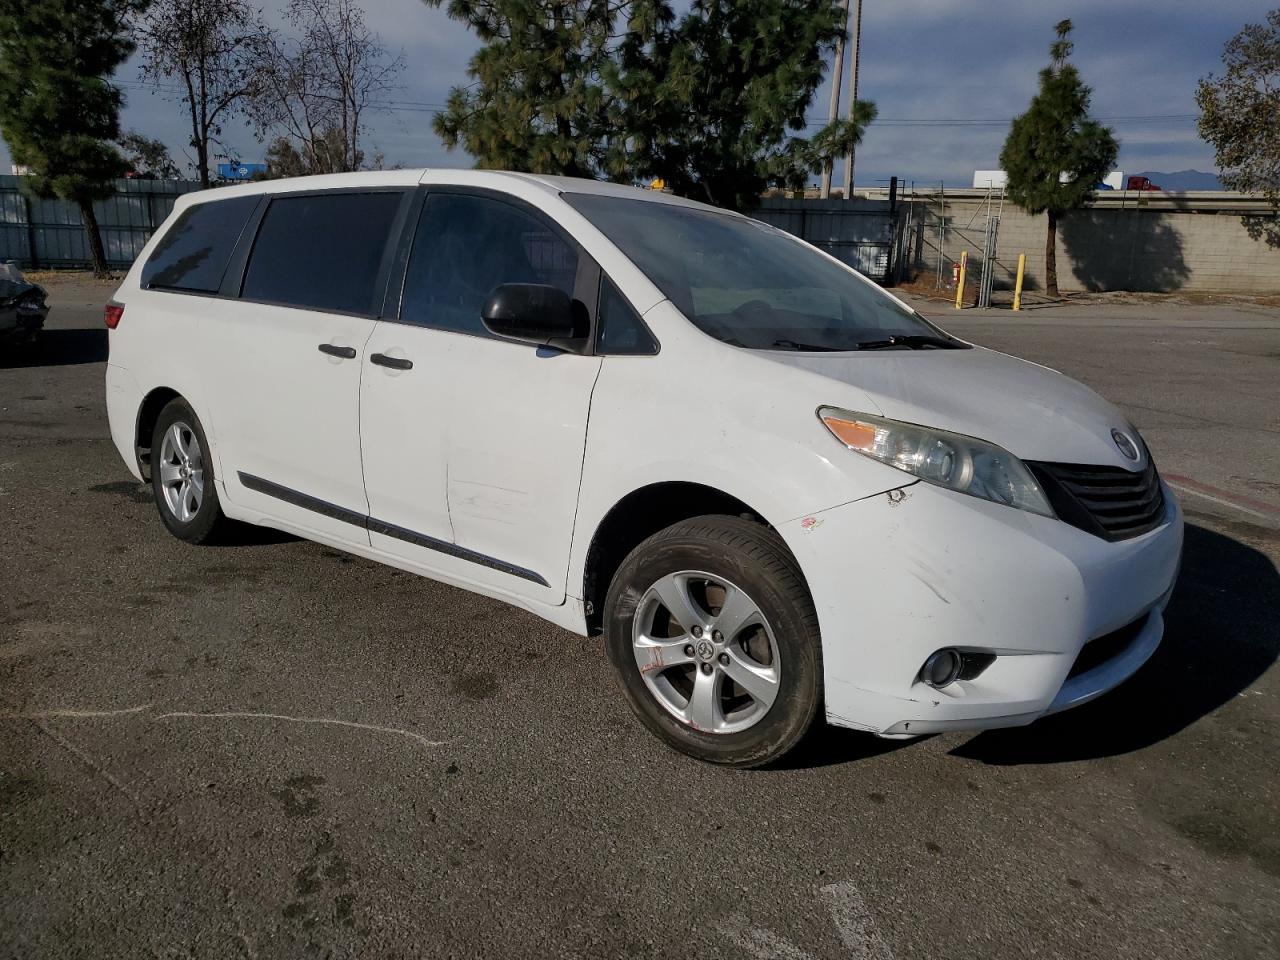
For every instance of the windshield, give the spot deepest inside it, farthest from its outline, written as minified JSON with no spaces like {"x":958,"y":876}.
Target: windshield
{"x":752,"y":285}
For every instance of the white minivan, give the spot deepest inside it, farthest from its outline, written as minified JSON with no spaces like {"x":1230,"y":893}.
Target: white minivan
{"x":775,"y":489}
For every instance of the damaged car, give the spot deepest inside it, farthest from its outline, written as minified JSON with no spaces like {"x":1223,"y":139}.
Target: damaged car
{"x":778,"y":493}
{"x":23,"y":307}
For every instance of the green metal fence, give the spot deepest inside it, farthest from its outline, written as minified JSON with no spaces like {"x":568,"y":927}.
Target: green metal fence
{"x":48,"y":234}
{"x":45,"y":234}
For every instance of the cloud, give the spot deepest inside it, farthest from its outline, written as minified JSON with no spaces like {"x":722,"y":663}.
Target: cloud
{"x":921,"y":59}
{"x":935,"y":59}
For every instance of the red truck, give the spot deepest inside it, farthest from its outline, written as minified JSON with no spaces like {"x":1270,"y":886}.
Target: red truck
{"x":1140,"y":183}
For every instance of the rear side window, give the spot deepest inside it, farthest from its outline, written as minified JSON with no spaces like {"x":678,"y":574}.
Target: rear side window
{"x":321,"y":251}
{"x":193,"y":253}
{"x":619,"y":329}
{"x":467,"y":245}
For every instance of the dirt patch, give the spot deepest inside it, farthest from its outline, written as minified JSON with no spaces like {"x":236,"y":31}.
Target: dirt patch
{"x":60,"y":278}
{"x":1190,"y":299}
{"x":926,"y":287}
{"x":480,"y":685}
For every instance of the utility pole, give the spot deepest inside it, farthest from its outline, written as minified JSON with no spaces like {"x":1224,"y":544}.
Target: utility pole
{"x":853,"y":95}
{"x":837,"y":75}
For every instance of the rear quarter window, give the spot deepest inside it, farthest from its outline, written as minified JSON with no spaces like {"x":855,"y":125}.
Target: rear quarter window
{"x":193,"y":253}
{"x":321,"y":251}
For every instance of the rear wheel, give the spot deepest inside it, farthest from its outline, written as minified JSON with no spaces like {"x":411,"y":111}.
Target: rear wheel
{"x":714,"y":636}
{"x":182,"y":476}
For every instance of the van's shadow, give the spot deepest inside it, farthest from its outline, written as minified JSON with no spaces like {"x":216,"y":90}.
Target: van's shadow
{"x":1221,"y":634}
{"x":236,"y":534}
{"x":57,"y":348}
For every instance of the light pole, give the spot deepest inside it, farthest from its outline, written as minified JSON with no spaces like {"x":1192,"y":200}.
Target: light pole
{"x":837,"y":74}
{"x":853,"y":95}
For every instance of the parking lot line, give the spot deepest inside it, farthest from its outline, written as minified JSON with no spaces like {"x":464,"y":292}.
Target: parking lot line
{"x":1236,"y":501}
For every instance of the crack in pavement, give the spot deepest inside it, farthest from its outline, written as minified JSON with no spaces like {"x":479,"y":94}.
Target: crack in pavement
{"x":37,"y":716}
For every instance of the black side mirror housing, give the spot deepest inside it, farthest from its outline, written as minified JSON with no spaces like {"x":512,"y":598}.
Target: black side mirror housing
{"x":535,"y":313}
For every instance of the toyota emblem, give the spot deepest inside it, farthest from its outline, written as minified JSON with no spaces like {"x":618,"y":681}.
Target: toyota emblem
{"x":1125,"y":445}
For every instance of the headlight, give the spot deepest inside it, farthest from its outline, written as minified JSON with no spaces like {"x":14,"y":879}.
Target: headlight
{"x":959,"y":463}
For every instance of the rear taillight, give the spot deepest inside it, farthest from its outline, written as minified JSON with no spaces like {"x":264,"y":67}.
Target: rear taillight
{"x":111,"y":315}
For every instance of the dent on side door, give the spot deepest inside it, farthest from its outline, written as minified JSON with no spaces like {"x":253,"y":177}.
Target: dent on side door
{"x":517,"y":435}
{"x":404,"y":416}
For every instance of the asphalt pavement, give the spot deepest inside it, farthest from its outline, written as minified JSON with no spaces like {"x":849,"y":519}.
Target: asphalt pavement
{"x":274,"y":749}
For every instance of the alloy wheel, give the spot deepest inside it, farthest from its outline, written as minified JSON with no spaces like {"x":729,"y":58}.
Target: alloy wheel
{"x":181,"y":466}
{"x":706,"y":652}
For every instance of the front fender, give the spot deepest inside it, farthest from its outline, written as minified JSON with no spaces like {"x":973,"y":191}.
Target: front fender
{"x":724,"y":419}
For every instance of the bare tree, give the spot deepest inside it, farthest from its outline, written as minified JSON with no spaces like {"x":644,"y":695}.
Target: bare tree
{"x":316,"y":88}
{"x":284,"y":160}
{"x":208,"y":47}
{"x":319,"y":155}
{"x":1240,"y":116}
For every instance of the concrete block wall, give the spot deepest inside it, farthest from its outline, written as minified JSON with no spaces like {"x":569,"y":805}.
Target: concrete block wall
{"x":1098,"y":249}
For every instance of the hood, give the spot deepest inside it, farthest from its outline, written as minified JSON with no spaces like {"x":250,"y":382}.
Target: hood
{"x":17,"y":289}
{"x":1033,"y":412}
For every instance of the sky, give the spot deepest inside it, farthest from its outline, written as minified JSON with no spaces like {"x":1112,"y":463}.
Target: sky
{"x":946,"y":76}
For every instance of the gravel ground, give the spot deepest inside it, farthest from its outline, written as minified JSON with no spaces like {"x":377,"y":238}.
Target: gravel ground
{"x":476,"y":786}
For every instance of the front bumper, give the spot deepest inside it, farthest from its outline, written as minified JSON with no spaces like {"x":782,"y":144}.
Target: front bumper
{"x":899,"y":575}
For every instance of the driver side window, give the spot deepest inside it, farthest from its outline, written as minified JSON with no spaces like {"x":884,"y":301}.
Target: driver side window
{"x":465,"y":246}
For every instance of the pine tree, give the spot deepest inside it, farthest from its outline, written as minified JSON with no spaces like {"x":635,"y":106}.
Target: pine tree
{"x":58,"y":112}
{"x":711,"y":102}
{"x":536,"y":102}
{"x":714,"y":102}
{"x":1055,"y":155}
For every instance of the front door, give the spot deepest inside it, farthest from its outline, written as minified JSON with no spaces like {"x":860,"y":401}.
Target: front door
{"x":472,"y":444}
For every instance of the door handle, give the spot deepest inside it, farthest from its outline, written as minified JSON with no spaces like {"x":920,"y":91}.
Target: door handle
{"x":395,"y":363}
{"x":333,"y":350}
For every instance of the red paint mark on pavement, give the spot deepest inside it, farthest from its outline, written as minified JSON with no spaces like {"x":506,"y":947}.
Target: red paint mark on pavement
{"x":1238,"y":499}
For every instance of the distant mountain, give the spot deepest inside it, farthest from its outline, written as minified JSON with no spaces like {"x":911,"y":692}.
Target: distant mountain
{"x":1182,"y":180}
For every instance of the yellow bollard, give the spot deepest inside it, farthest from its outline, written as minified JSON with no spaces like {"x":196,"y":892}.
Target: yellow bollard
{"x":964,"y":267}
{"x":1017,"y":287}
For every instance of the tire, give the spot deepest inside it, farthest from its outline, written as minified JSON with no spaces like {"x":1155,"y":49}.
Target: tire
{"x":182,"y":476}
{"x":723,"y":572}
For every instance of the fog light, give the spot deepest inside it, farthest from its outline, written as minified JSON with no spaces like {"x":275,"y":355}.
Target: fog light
{"x":941,"y":668}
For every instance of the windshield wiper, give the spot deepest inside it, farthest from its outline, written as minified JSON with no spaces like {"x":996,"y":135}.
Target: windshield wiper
{"x":814,"y":347}
{"x":913,"y":341}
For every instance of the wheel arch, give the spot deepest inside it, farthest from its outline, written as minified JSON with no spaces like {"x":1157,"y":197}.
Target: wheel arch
{"x":637,"y":516}
{"x":148,"y":413}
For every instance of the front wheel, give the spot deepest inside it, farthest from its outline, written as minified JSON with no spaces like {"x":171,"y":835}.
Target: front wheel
{"x":714,"y":636}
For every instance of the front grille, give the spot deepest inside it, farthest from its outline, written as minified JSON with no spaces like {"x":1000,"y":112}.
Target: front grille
{"x":1109,"y":502}
{"x":1107,"y":647}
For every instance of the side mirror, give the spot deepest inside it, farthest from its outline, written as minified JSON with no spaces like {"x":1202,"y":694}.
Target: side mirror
{"x":534,"y":313}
